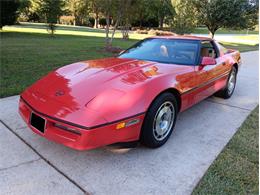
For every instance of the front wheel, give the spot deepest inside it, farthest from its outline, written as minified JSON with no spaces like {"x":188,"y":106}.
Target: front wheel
{"x":230,"y":86}
{"x":159,"y":121}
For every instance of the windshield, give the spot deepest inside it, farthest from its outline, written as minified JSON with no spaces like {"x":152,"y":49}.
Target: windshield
{"x":175,"y":51}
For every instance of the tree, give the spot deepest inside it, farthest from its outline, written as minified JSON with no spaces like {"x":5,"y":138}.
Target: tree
{"x":252,"y":14}
{"x":165,"y":11}
{"x":184,"y":16}
{"x":125,"y":16}
{"x":30,"y":11}
{"x":24,"y":10}
{"x":116,"y":12}
{"x":9,"y":12}
{"x":146,"y":13}
{"x":95,"y":6}
{"x":78,"y":9}
{"x":112,"y":10}
{"x":51,"y":9}
{"x":108,"y":8}
{"x":233,"y":14}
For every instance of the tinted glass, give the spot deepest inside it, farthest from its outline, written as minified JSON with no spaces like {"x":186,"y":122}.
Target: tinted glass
{"x":175,"y":51}
{"x":207,"y":50}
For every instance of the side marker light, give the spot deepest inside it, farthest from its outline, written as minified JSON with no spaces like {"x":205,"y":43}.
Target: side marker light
{"x":120,"y":125}
{"x":127,"y":124}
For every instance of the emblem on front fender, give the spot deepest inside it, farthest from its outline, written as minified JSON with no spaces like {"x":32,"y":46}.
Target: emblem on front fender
{"x":59,"y":93}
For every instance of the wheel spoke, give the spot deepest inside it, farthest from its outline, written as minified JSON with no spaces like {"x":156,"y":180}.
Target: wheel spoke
{"x":231,"y":82}
{"x":163,"y":120}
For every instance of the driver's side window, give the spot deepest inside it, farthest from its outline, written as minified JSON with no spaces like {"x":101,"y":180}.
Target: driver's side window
{"x":207,"y":50}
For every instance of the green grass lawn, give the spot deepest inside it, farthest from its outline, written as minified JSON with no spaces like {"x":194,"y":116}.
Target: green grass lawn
{"x":241,"y":47}
{"x":28,"y":52}
{"x":235,"y":171}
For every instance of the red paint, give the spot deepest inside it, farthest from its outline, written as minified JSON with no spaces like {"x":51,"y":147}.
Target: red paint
{"x":208,"y":61}
{"x":99,"y":92}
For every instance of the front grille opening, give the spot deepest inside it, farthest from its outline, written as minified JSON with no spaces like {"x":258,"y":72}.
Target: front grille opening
{"x":67,"y":128}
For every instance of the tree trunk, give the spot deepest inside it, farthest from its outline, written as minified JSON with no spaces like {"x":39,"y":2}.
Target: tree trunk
{"x":74,"y":19}
{"x":161,"y":19}
{"x":125,"y":31}
{"x":141,"y":22}
{"x":96,"y":21}
{"x":107,"y":32}
{"x":212,"y":30}
{"x":114,"y":30}
{"x":212,"y":33}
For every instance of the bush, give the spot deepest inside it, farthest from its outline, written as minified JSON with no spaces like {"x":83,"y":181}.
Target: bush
{"x":34,"y":17}
{"x":9,"y":12}
{"x":152,"y":32}
{"x":102,"y":22}
{"x":164,"y":33}
{"x":155,"y":32}
{"x":151,"y":23}
{"x":22,"y":18}
{"x":68,"y":20}
{"x":138,"y":31}
{"x":115,"y":49}
{"x":91,"y":22}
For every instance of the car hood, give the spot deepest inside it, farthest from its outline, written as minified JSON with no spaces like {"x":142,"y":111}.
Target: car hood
{"x":80,"y":82}
{"x":74,"y":86}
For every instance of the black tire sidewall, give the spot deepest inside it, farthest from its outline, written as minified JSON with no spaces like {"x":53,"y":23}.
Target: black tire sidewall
{"x":224,"y":92}
{"x":147,"y":136}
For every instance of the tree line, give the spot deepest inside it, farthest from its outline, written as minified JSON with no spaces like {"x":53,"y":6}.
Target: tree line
{"x":180,"y":16}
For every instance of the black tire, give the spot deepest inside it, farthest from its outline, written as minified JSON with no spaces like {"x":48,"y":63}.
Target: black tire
{"x":148,"y":136}
{"x":225,"y":92}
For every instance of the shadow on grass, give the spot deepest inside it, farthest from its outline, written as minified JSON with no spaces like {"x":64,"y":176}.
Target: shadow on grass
{"x":59,"y":27}
{"x":58,"y":37}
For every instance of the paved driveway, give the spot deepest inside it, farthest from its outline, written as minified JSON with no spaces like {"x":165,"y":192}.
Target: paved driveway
{"x":29,"y":164}
{"x":235,"y":38}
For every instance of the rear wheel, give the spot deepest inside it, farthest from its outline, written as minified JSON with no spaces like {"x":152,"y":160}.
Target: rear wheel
{"x":159,"y":121}
{"x":230,"y":86}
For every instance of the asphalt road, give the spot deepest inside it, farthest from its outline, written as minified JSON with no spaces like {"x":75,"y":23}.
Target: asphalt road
{"x":29,"y":164}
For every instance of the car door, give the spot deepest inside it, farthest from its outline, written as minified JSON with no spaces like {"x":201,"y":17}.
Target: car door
{"x":187,"y":80}
{"x":205,"y":74}
{"x":210,"y":78}
{"x":218,"y":73}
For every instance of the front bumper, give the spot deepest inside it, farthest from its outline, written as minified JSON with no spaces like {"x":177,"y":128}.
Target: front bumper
{"x":79,"y":138}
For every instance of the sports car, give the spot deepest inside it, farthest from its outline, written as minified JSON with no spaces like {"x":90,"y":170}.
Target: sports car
{"x":135,"y":96}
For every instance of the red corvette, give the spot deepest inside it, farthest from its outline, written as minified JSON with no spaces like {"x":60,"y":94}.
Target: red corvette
{"x":135,"y":96}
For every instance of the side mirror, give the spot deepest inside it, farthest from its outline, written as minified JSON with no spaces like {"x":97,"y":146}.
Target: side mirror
{"x":208,"y":61}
